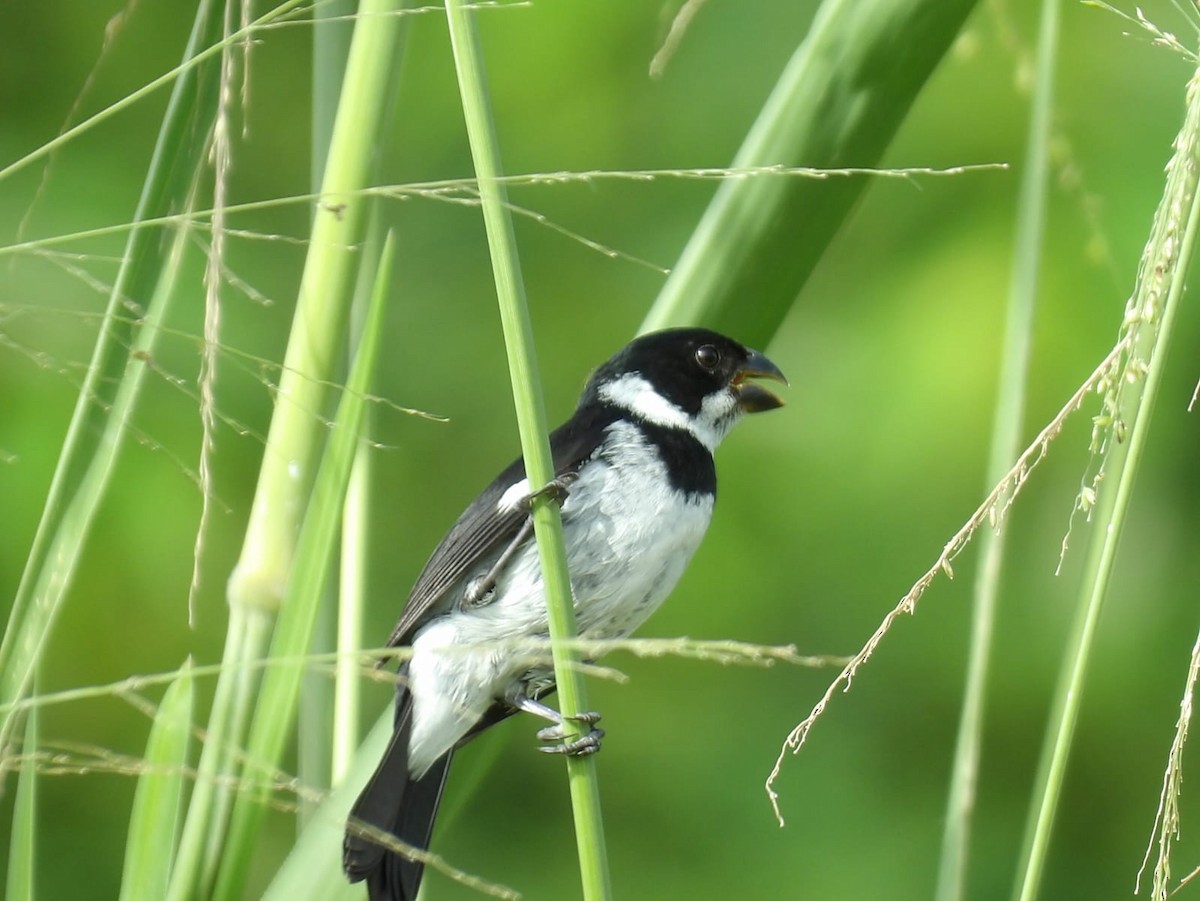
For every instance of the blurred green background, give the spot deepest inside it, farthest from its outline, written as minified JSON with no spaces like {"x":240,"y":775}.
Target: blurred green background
{"x":829,"y":509}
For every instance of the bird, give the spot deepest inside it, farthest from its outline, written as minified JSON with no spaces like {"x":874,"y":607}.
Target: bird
{"x":636,"y":483}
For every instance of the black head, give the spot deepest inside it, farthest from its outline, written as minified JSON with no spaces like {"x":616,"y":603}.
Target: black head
{"x":686,"y":378}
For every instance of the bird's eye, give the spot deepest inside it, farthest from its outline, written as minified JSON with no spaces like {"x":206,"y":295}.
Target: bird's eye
{"x":708,"y":356}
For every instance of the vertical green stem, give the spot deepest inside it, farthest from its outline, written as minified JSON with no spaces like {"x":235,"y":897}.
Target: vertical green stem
{"x":275,"y":703}
{"x":354,"y":558}
{"x":322,"y":310}
{"x":1006,"y":428}
{"x":531,"y":420}
{"x":257,"y":584}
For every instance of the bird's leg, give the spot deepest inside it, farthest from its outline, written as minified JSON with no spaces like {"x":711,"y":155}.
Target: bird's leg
{"x":479,"y":590}
{"x":587,"y":742}
{"x":557,"y":489}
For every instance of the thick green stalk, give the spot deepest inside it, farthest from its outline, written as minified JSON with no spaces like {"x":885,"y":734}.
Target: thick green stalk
{"x":331,"y":34}
{"x":275,"y":709}
{"x":146,"y":276}
{"x":531,"y":422}
{"x":322,"y":311}
{"x":1006,"y":430}
{"x":297,"y":431}
{"x":838,"y":103}
{"x":1129,"y":407}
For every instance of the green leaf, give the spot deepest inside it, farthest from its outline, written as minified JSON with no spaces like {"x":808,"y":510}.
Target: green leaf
{"x":313,"y":868}
{"x":115,"y":374}
{"x":22,"y":852}
{"x":838,"y":103}
{"x":158,"y":801}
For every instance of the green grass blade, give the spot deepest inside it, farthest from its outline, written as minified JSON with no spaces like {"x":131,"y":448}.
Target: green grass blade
{"x":838,"y":103}
{"x":531,"y":422}
{"x":1006,"y":432}
{"x":275,"y":711}
{"x":1128,"y":410}
{"x":158,"y":801}
{"x":313,"y":867}
{"x":353,"y":564}
{"x":22,"y":848}
{"x":121,"y":358}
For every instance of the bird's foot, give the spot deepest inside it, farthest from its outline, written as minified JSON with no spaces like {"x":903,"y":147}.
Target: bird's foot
{"x":585,"y":744}
{"x":557,"y":490}
{"x":580,"y":744}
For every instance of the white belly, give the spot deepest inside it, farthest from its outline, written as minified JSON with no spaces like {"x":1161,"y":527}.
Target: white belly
{"x":629,"y":537}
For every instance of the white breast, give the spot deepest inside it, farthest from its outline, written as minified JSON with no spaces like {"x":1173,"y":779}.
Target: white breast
{"x":629,"y":536}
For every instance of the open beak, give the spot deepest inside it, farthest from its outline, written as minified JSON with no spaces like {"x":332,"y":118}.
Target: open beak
{"x":754,"y":398}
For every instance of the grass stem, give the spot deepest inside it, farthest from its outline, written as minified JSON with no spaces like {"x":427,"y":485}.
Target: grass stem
{"x":1006,"y":428}
{"x":531,"y":421}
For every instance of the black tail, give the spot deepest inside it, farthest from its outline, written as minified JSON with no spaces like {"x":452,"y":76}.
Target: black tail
{"x":395,"y":803}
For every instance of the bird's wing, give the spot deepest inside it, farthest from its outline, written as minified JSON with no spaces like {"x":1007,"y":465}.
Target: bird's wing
{"x":483,"y":528}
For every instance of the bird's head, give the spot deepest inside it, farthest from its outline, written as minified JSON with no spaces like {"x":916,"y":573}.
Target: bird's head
{"x":686,"y":378}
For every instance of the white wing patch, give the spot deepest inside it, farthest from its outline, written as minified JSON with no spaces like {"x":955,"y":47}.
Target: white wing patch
{"x":512,"y":498}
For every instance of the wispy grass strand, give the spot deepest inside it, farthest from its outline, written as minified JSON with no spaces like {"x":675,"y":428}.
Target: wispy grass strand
{"x":121,"y":358}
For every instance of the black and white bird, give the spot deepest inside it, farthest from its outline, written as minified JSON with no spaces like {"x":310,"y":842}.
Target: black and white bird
{"x":635,"y":478}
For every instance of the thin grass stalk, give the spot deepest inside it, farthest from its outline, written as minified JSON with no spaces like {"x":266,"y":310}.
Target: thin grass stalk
{"x":21,"y":882}
{"x":122,"y":357}
{"x":276,"y":702}
{"x":322,"y":311}
{"x":353,"y":562}
{"x":1006,"y":428}
{"x":838,"y":103}
{"x":351,"y":608}
{"x":1125,"y":424}
{"x":531,"y":422}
